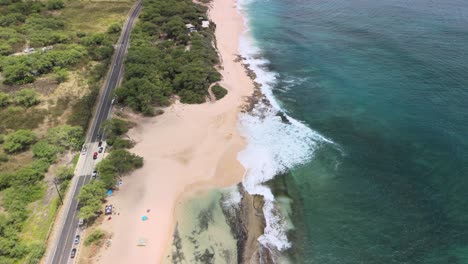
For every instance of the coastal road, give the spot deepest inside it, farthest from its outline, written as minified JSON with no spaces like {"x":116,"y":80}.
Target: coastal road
{"x":68,"y":226}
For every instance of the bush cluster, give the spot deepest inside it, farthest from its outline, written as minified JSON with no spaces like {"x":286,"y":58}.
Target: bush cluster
{"x":219,"y":91}
{"x":118,"y":163}
{"x":24,"y":69}
{"x":180,"y":63}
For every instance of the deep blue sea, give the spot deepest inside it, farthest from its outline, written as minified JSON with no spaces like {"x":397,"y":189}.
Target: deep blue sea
{"x":387,"y":82}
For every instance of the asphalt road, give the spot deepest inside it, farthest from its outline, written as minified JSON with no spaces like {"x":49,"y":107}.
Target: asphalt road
{"x":60,"y":250}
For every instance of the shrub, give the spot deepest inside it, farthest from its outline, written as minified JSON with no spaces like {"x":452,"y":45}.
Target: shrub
{"x":4,"y":99}
{"x":61,"y":75}
{"x":66,"y":136}
{"x":55,"y":4}
{"x":27,"y":97}
{"x":115,"y":127}
{"x":4,"y":157}
{"x":44,"y":150}
{"x":94,"y":237}
{"x":64,"y":173}
{"x":219,"y":91}
{"x":120,"y":143}
{"x":18,"y":140}
{"x":5,"y":49}
{"x":114,"y":28}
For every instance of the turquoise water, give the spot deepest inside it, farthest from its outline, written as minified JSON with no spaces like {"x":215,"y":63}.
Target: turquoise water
{"x":388,"y":82}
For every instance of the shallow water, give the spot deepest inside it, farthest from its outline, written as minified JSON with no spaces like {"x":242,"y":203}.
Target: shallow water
{"x":202,"y":234}
{"x":387,"y":81}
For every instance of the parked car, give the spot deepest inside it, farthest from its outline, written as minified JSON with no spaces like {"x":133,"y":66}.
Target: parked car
{"x":95,"y":155}
{"x":100,"y":143}
{"x":108,"y":210}
{"x":81,"y":222}
{"x":73,"y":253}
{"x":83,"y":151}
{"x":100,"y":149}
{"x":77,"y":240}
{"x":94,"y":174}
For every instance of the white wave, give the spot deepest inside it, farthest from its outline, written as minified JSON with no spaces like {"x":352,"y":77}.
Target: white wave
{"x":232,"y":197}
{"x":274,"y":146}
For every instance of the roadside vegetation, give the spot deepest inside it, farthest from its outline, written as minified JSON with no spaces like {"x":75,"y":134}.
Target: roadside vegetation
{"x":52,"y":63}
{"x":166,"y":58}
{"x":117,"y":164}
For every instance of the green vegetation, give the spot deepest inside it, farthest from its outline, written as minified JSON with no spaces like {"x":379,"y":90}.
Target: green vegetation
{"x":118,"y":163}
{"x":114,"y":128}
{"x":219,"y":91}
{"x":66,"y":136}
{"x":44,"y":150}
{"x":55,"y":4}
{"x":18,"y":140}
{"x":165,"y":59}
{"x":61,"y":75}
{"x":72,"y":43}
{"x":24,"y":69}
{"x":4,"y":99}
{"x":94,"y":237}
{"x":27,"y":97}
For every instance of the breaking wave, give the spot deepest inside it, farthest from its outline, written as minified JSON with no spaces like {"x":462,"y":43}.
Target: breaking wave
{"x":276,"y":143}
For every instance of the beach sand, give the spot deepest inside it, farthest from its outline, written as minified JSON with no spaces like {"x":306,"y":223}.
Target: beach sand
{"x":187,"y":150}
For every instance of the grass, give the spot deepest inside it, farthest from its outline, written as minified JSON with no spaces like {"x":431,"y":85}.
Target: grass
{"x":37,"y":226}
{"x":15,"y":117}
{"x":95,"y":16}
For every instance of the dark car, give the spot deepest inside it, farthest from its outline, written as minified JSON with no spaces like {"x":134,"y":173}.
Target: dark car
{"x":95,"y":155}
{"x":73,"y":253}
{"x":100,"y":149}
{"x":94,"y":175}
{"x":100,"y":143}
{"x":108,"y":210}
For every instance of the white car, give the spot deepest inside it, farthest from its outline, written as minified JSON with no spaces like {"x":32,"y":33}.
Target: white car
{"x":83,"y":151}
{"x":77,"y":240}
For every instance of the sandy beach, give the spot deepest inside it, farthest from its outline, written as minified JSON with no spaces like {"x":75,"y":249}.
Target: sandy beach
{"x":188,"y":149}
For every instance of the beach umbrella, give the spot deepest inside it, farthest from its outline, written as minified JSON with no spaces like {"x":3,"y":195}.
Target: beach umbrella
{"x":144,"y":218}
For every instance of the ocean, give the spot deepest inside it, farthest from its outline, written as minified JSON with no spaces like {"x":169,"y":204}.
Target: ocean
{"x":362,"y":153}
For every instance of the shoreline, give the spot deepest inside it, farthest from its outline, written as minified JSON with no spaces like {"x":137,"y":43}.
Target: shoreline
{"x":187,"y":150}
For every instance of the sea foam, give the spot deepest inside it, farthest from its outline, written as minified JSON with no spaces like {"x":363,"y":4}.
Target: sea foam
{"x":276,"y":143}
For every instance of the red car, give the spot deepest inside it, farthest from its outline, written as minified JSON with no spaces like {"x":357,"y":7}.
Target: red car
{"x":95,"y":155}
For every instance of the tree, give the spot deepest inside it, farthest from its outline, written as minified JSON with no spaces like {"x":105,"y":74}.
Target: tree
{"x":90,"y":192}
{"x":116,"y":164}
{"x":69,"y":137}
{"x":125,"y":161}
{"x":27,"y":97}
{"x":89,"y":198}
{"x":18,"y":140}
{"x":61,"y":75}
{"x":4,"y":99}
